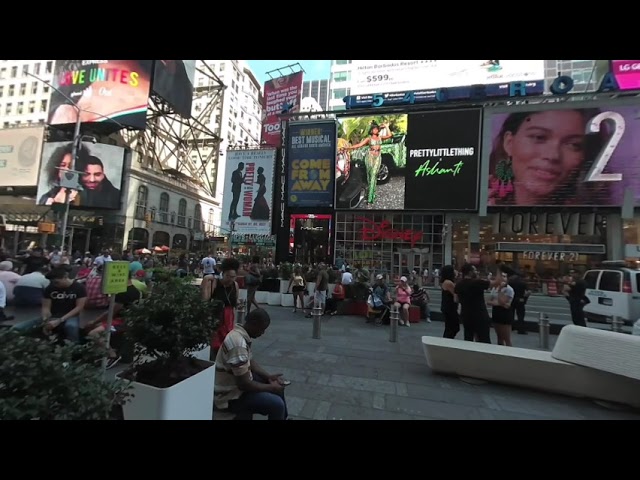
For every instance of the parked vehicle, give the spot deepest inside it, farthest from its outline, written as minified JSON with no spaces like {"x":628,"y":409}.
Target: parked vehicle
{"x":614,"y":291}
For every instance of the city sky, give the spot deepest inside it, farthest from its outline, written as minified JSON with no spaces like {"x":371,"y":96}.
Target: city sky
{"x":313,"y":69}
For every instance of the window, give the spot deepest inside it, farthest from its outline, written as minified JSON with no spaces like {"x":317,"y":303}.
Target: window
{"x":7,"y":109}
{"x":14,"y":72}
{"x":23,"y":89}
{"x":182,"y":212}
{"x":610,"y":281}
{"x":164,"y":207}
{"x":34,"y":88}
{"x":222,"y":67}
{"x":341,"y":76}
{"x":141,"y":202}
{"x":12,"y":90}
{"x":1,"y":91}
{"x":32,"y":106}
{"x":43,"y":105}
{"x":340,"y":93}
{"x":49,"y":67}
{"x":25,"y":70}
{"x":3,"y":73}
{"x":210,"y":219}
{"x":5,"y":125}
{"x":591,"y":279}
{"x":197,"y":218}
{"x":20,"y":108}
{"x":36,"y":69}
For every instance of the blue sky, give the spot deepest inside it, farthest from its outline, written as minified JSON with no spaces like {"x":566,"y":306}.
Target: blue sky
{"x":313,"y":69}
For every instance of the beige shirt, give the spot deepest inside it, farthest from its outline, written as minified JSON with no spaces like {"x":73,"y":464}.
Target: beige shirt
{"x":233,"y":360}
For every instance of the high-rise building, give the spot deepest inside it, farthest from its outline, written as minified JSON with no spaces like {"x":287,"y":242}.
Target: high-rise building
{"x":24,"y":101}
{"x":339,"y":83}
{"x":318,"y":90}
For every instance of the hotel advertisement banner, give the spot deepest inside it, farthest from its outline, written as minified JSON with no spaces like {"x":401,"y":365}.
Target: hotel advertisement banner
{"x":312,"y":153}
{"x":248,"y":191}
{"x":279,"y":94}
{"x":20,"y":151}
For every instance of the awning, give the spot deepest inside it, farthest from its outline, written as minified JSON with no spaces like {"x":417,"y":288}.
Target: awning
{"x":30,"y":213}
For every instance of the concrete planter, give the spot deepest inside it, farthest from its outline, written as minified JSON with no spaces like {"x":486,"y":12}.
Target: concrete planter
{"x":191,"y":399}
{"x":274,"y":299}
{"x":262,"y":297}
{"x":284,"y":286}
{"x":286,"y":300}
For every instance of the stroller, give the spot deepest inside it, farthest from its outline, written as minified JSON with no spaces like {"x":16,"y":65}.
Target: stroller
{"x":377,"y":310}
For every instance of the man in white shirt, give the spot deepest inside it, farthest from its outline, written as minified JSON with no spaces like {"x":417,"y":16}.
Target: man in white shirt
{"x":208,"y":265}
{"x":105,"y":256}
{"x":29,"y":288}
{"x":347,"y":281}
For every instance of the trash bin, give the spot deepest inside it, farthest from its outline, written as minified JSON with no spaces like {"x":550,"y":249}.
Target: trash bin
{"x":636,"y":328}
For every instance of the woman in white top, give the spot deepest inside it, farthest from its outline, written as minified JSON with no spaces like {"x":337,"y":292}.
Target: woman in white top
{"x":501,"y":313}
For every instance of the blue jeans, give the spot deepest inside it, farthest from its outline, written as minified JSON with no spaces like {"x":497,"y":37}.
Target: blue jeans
{"x":273,"y":406}
{"x":70,"y":328}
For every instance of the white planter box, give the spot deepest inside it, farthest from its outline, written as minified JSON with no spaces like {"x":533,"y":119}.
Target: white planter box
{"x":274,"y":299}
{"x":284,"y":286}
{"x":311,"y":288}
{"x":262,"y":297}
{"x":243,"y":294}
{"x":286,"y":300}
{"x":191,"y":399}
{"x":203,"y":354}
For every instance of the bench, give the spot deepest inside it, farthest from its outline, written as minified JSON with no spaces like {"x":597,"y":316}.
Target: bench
{"x":533,"y":369}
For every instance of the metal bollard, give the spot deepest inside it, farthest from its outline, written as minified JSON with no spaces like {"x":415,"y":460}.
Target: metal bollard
{"x":240,"y":312}
{"x":393,"y":323}
{"x":616,"y":324}
{"x":543,"y":328}
{"x":317,"y":319}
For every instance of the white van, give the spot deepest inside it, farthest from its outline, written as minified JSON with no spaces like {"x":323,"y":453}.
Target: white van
{"x":614,"y":290}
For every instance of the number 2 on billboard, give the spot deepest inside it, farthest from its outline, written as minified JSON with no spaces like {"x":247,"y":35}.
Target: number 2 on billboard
{"x":595,"y":174}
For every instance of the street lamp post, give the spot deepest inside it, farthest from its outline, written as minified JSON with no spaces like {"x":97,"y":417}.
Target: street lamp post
{"x":74,"y":152}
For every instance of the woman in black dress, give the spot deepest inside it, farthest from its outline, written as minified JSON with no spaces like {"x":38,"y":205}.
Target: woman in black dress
{"x":449,"y":305}
{"x":261,"y":210}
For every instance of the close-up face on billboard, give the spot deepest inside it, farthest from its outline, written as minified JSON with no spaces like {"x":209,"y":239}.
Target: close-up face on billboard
{"x":370,"y":162}
{"x":379,"y":76}
{"x":563,"y":157}
{"x":101,"y":90}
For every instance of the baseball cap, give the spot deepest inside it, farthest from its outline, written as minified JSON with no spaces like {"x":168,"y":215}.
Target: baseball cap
{"x":379,"y":277}
{"x":403,"y":279}
{"x":141,"y":274}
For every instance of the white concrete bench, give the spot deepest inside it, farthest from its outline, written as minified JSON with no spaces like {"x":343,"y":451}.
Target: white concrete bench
{"x":600,"y":349}
{"x":527,"y":368}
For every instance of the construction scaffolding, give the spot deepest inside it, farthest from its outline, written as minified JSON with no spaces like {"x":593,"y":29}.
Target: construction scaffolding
{"x":183,"y":147}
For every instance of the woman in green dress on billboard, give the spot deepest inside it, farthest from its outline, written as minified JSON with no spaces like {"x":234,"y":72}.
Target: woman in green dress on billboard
{"x":373,"y":159}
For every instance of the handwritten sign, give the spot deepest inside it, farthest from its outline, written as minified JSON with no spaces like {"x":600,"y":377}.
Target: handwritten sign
{"x":115,"y":277}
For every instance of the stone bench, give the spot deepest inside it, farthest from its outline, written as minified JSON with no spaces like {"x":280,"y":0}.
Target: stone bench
{"x":529,"y":368}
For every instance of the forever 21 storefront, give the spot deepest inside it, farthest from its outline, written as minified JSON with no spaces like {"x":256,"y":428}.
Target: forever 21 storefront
{"x":429,"y":167}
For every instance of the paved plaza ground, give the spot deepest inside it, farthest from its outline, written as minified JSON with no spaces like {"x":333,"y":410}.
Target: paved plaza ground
{"x":354,"y":373}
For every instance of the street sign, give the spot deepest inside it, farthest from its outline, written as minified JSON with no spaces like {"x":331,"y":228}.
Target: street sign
{"x":115,"y":278}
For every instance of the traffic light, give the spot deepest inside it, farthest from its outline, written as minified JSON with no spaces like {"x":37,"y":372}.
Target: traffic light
{"x":147,"y":219}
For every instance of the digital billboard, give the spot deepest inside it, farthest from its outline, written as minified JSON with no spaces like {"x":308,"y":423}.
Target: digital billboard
{"x":20,"y":151}
{"x":102,"y":90}
{"x":279,"y":94}
{"x":380,"y":76}
{"x":546,"y":156}
{"x":311,"y":159}
{"x":101,"y":168}
{"x":627,"y":74}
{"x":248,"y":191}
{"x":370,"y":162}
{"x":173,"y":81}
{"x":443,"y":160}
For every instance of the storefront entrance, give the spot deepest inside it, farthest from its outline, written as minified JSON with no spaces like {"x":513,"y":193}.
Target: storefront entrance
{"x":311,"y":238}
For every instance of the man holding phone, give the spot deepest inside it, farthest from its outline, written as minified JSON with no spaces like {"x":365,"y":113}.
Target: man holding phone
{"x":63,"y":301}
{"x":242,"y":386}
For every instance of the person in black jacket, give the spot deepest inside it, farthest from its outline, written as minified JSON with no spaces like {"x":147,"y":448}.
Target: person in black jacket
{"x":521,"y":295}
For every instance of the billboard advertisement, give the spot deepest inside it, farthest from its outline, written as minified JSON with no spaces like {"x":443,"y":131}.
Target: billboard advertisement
{"x":20,"y":151}
{"x":101,"y":168}
{"x":563,"y":157}
{"x":279,"y":93}
{"x":103,"y":90}
{"x":248,"y":188}
{"x":380,"y":76}
{"x":173,"y":81}
{"x":370,"y":162}
{"x":627,"y":73}
{"x":312,"y":153}
{"x":443,"y":160}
